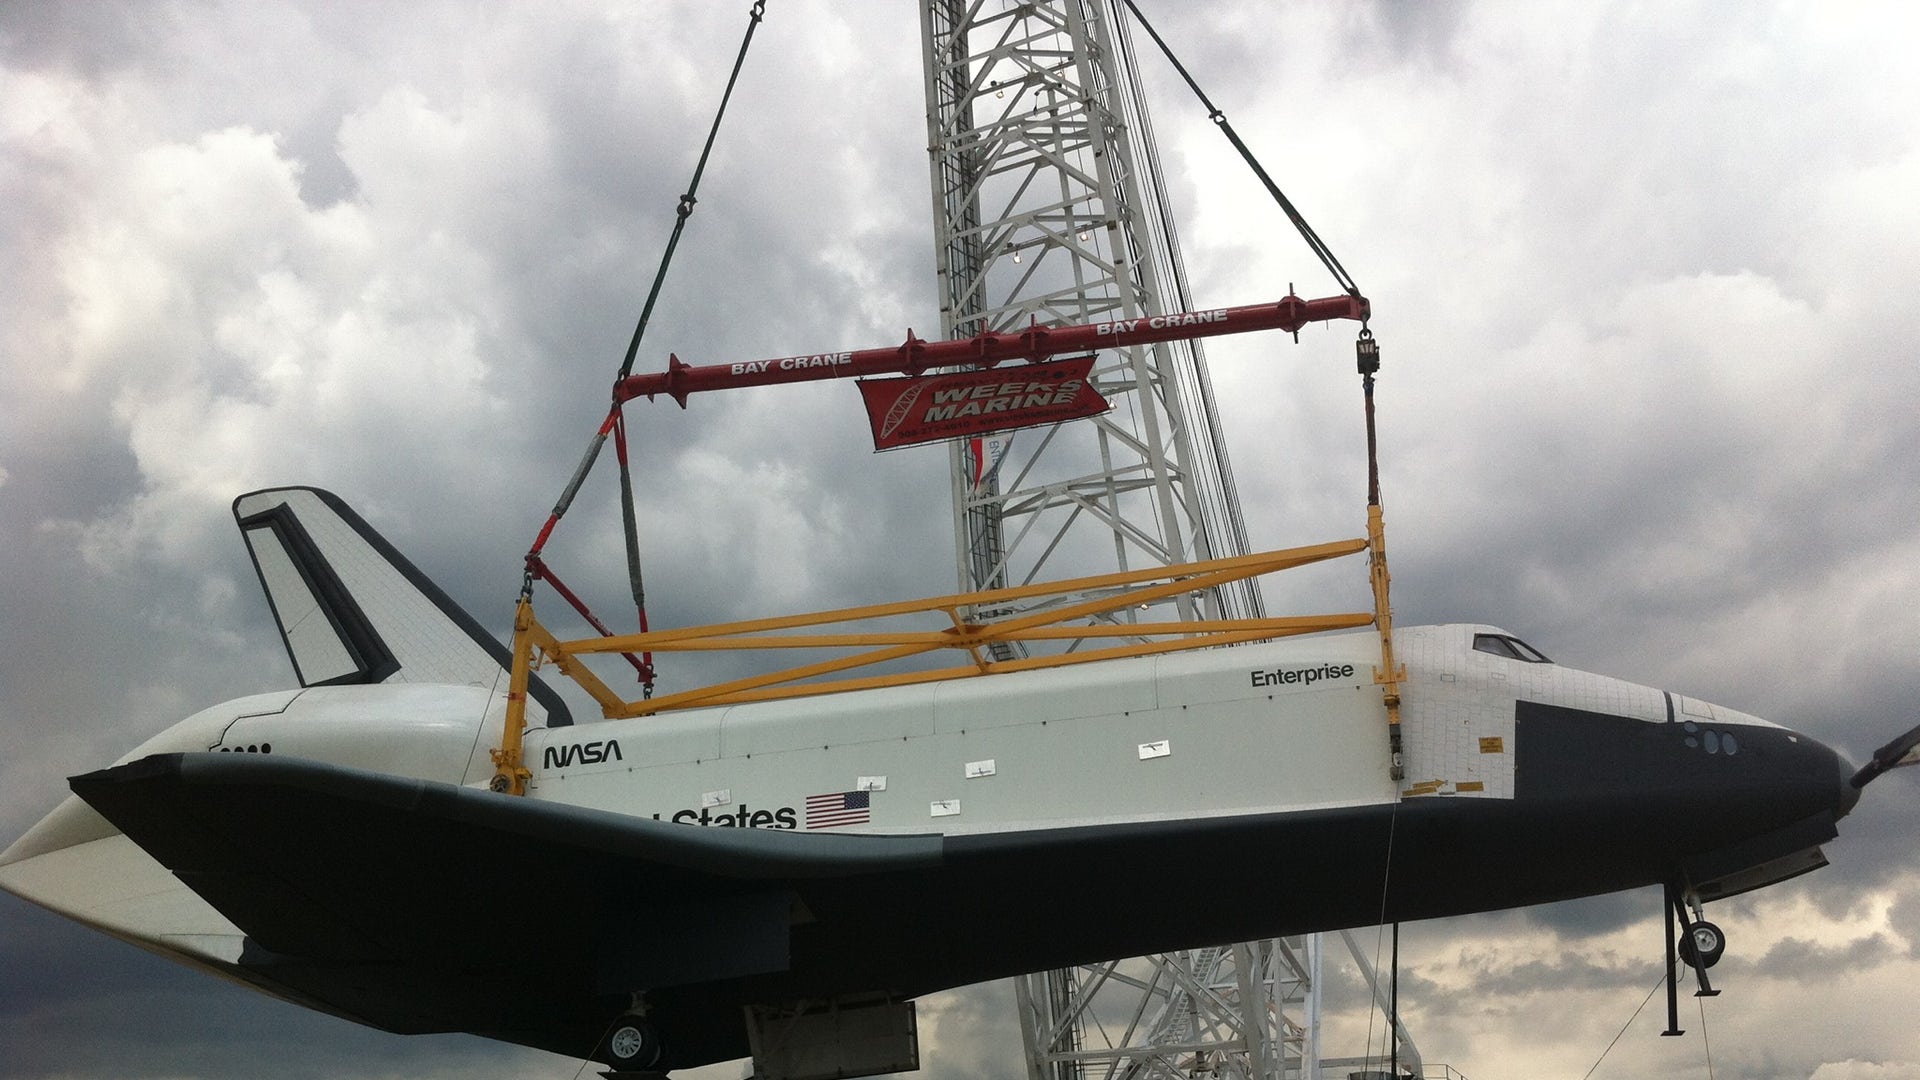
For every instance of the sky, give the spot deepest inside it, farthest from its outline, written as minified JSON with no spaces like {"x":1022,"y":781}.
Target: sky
{"x":1644,"y":277}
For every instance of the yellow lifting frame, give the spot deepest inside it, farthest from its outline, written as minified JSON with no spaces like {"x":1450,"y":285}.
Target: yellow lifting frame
{"x":534,"y":644}
{"x":1389,"y":674}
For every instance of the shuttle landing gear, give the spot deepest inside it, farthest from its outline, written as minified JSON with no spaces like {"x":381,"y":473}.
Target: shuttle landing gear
{"x":1700,"y":945}
{"x":632,"y":1047}
{"x":1703,"y":945}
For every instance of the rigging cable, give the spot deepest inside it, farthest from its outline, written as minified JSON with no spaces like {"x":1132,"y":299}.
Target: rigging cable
{"x":1386,"y":882}
{"x":1393,"y":1007}
{"x":629,"y":521}
{"x":1219,"y":499}
{"x":1219,"y":118}
{"x":614,"y":424}
{"x":1706,"y":1043}
{"x":1623,"y":1028}
{"x":685,"y":209}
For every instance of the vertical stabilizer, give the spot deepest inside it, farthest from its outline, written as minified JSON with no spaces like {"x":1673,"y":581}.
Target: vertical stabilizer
{"x":351,"y":609}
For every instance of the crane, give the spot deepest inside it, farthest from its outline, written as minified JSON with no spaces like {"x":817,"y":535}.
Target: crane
{"x":1048,"y":208}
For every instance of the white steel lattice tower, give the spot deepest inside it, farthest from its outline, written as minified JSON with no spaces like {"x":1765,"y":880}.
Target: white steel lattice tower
{"x":1048,"y":208}
{"x":1042,"y":213}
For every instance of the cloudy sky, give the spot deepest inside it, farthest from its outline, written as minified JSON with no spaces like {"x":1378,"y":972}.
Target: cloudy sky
{"x":1646,"y":279}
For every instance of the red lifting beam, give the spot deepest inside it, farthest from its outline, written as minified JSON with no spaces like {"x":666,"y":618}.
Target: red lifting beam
{"x":986,"y":350}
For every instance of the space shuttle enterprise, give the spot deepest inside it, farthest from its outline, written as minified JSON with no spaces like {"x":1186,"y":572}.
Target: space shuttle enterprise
{"x":779,"y":877}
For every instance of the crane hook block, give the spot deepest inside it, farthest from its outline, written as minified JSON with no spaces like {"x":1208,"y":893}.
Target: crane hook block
{"x":1367,"y":353}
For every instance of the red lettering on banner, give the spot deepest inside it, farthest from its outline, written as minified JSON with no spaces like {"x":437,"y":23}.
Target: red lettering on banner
{"x":930,"y":408}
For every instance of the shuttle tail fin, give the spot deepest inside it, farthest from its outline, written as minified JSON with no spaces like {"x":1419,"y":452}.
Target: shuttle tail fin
{"x":352,"y":609}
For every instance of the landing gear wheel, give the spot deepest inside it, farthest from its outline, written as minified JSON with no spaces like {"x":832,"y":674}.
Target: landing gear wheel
{"x":631,"y":1046}
{"x":1704,"y":942}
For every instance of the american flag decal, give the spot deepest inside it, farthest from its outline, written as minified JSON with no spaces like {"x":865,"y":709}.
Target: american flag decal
{"x":839,"y":808}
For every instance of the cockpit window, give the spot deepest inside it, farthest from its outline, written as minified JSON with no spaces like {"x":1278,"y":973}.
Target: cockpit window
{"x":1510,"y":647}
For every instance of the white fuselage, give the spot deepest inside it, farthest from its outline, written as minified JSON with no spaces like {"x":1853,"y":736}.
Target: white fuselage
{"x":1275,"y":727}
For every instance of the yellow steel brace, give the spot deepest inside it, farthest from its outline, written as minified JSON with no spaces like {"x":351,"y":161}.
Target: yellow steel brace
{"x":1388,"y":675}
{"x":1112,"y":593}
{"x":509,"y":773}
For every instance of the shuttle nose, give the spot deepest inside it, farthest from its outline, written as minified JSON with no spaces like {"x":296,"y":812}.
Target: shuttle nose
{"x":76,"y":863}
{"x":1849,"y":786}
{"x":71,"y":824}
{"x":50,"y":865}
{"x":1817,"y":762}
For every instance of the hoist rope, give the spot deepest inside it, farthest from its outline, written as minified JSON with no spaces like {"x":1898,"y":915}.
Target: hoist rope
{"x":1369,"y":363}
{"x":628,"y":519}
{"x":685,"y":209}
{"x":1219,"y":118}
{"x":614,"y":423}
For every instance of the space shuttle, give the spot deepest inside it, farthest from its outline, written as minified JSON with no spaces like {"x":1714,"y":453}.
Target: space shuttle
{"x":781,"y":879}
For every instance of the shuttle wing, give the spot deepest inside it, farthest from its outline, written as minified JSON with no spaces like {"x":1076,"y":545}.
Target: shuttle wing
{"x":418,"y":906}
